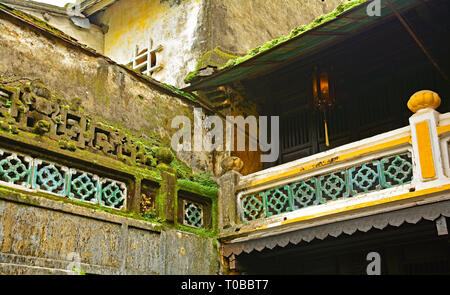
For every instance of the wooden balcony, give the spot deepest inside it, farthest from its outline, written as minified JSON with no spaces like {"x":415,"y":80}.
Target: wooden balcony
{"x":399,"y":169}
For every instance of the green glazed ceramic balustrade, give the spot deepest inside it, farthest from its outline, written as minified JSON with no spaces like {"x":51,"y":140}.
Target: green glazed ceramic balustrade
{"x":193,"y":214}
{"x":376,"y":175}
{"x":24,"y":171}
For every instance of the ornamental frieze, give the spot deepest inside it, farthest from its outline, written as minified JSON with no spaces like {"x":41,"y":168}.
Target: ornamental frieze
{"x":31,"y":107}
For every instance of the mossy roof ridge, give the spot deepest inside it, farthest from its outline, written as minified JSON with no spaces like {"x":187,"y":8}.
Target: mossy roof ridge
{"x":180,"y":92}
{"x":185,"y":172}
{"x":40,"y":24}
{"x":210,"y":58}
{"x":340,"y":9}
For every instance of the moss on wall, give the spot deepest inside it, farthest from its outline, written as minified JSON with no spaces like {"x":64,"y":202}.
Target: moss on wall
{"x":155,"y":152}
{"x":215,"y":58}
{"x":180,"y":92}
{"x":110,"y":98}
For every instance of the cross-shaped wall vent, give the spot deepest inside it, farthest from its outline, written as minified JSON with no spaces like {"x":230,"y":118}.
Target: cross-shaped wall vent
{"x":145,"y":60}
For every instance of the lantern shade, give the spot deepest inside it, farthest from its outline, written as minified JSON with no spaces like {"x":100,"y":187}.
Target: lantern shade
{"x":323,"y":90}
{"x":323,"y":95}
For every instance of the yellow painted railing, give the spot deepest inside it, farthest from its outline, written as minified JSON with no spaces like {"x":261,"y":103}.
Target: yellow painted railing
{"x":396,"y":166}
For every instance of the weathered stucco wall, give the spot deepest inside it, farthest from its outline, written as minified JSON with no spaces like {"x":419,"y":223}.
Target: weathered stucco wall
{"x":174,"y":24}
{"x":38,"y":230}
{"x":106,"y":91}
{"x":38,"y":235}
{"x":104,"y":88}
{"x":92,"y":37}
{"x":238,"y":26}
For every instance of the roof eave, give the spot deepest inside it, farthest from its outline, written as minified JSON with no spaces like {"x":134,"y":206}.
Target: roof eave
{"x":206,"y":82}
{"x":193,"y":86}
{"x":90,"y":7}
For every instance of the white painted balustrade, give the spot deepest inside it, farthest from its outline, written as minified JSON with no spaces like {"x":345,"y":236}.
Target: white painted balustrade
{"x":393,"y":170}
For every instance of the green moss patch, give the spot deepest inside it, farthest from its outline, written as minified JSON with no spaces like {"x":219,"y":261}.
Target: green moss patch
{"x":194,"y":187}
{"x":180,"y":92}
{"x":215,"y":58}
{"x":197,"y":182}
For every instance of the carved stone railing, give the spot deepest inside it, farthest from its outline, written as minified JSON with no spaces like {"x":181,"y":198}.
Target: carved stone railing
{"x":33,"y":108}
{"x":53,"y":147}
{"x":31,"y":173}
{"x":383,"y":171}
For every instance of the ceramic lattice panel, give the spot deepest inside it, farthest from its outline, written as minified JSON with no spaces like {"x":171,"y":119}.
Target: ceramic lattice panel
{"x":304,"y":194}
{"x":50,"y":177}
{"x":15,"y":168}
{"x":365,"y":178}
{"x":192,"y":214}
{"x":397,"y":170}
{"x":83,"y":186}
{"x":112,"y":194}
{"x":277,"y":201}
{"x":253,"y":207}
{"x":372,"y":176}
{"x":27,"y":172}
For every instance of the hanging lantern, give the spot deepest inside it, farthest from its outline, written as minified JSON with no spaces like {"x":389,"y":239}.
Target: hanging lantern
{"x":323,"y":95}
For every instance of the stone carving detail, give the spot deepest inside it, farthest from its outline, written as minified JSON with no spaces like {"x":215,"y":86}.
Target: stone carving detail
{"x":31,"y":107}
{"x":164,"y":155}
{"x":147,"y":205}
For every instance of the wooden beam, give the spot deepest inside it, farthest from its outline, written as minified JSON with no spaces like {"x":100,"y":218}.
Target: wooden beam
{"x":419,"y":43}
